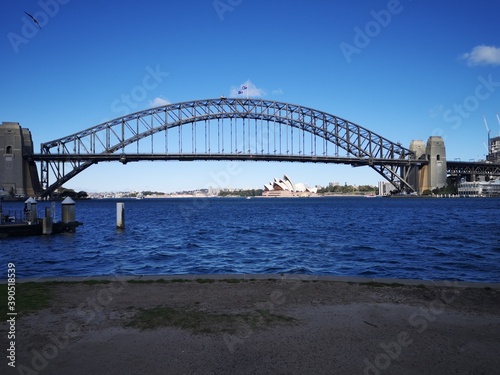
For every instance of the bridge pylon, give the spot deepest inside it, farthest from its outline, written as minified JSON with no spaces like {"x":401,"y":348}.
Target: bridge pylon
{"x":431,"y":174}
{"x":18,"y":174}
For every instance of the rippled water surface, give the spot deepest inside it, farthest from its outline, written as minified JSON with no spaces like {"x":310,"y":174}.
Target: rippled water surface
{"x":382,"y":237}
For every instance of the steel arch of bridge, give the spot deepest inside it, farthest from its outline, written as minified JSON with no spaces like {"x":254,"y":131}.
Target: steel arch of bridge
{"x":282,"y":126}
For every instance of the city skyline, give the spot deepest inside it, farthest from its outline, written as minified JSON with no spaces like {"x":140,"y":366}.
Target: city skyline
{"x":405,"y":70}
{"x":215,"y":187}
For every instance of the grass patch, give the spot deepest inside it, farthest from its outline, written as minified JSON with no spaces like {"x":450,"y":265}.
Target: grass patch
{"x":95,"y":282}
{"x":205,"y":322}
{"x":376,"y":284}
{"x":205,"y":281}
{"x":29,"y":297}
{"x":160,"y":281}
{"x":53,"y":283}
{"x":140,"y":281}
{"x":84,"y":282}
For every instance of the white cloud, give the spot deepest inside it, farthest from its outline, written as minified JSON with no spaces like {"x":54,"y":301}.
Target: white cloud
{"x":252,"y":91}
{"x":436,"y":111}
{"x":483,"y":55}
{"x":158,"y":102}
{"x":278,"y":92}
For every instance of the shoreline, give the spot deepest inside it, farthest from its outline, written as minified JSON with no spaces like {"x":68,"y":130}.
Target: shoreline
{"x":277,"y":277}
{"x":167,"y":196}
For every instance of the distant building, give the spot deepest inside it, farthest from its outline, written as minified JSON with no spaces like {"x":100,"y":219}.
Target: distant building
{"x":494,"y":150}
{"x":286,"y":188}
{"x":480,"y":189}
{"x":213,"y":191}
{"x":385,"y":188}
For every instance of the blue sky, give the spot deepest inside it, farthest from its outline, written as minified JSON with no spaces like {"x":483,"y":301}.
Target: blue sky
{"x":404,"y":69}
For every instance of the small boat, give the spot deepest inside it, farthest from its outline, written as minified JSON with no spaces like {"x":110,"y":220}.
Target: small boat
{"x":370,"y":196}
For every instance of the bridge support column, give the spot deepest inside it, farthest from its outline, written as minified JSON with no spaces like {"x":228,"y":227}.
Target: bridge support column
{"x":17,"y":175}
{"x":417,"y":172}
{"x":433,"y":174}
{"x":436,"y":154}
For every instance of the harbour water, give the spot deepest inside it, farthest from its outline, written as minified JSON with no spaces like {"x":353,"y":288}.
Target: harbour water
{"x":433,"y":239}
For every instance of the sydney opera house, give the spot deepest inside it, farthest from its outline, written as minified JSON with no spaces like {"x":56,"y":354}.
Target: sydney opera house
{"x":286,"y":188}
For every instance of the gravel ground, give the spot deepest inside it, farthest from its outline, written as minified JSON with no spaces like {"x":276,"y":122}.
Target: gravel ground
{"x":297,"y":327}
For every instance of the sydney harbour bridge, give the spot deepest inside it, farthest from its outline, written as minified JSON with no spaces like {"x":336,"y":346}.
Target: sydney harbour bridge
{"x":226,"y":129}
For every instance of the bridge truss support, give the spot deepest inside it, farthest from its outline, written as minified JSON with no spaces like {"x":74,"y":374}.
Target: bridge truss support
{"x":472,"y":170}
{"x":226,"y":129}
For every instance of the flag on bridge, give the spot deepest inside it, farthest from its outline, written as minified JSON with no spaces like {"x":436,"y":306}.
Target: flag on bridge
{"x":243,"y":88}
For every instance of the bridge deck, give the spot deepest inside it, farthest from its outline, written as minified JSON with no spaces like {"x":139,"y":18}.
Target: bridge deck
{"x":473,"y":168}
{"x":125,"y":158}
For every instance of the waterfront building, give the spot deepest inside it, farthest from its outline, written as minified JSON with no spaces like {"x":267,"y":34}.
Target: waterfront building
{"x":285,"y":187}
{"x":480,"y":189}
{"x":385,"y":188}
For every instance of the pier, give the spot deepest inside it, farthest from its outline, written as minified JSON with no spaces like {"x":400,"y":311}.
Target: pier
{"x":28,"y":223}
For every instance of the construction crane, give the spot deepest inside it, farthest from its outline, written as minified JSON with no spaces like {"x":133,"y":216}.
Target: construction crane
{"x":498,"y":118}
{"x":488,"y":130}
{"x":487,"y":127}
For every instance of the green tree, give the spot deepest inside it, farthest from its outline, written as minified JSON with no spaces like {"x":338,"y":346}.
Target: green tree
{"x":63,"y":193}
{"x":82,"y":195}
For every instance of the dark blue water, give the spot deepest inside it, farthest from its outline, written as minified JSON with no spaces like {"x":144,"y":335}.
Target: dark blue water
{"x":397,"y":238}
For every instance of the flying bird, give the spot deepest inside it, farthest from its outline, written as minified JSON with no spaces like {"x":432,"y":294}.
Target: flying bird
{"x":34,"y":20}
